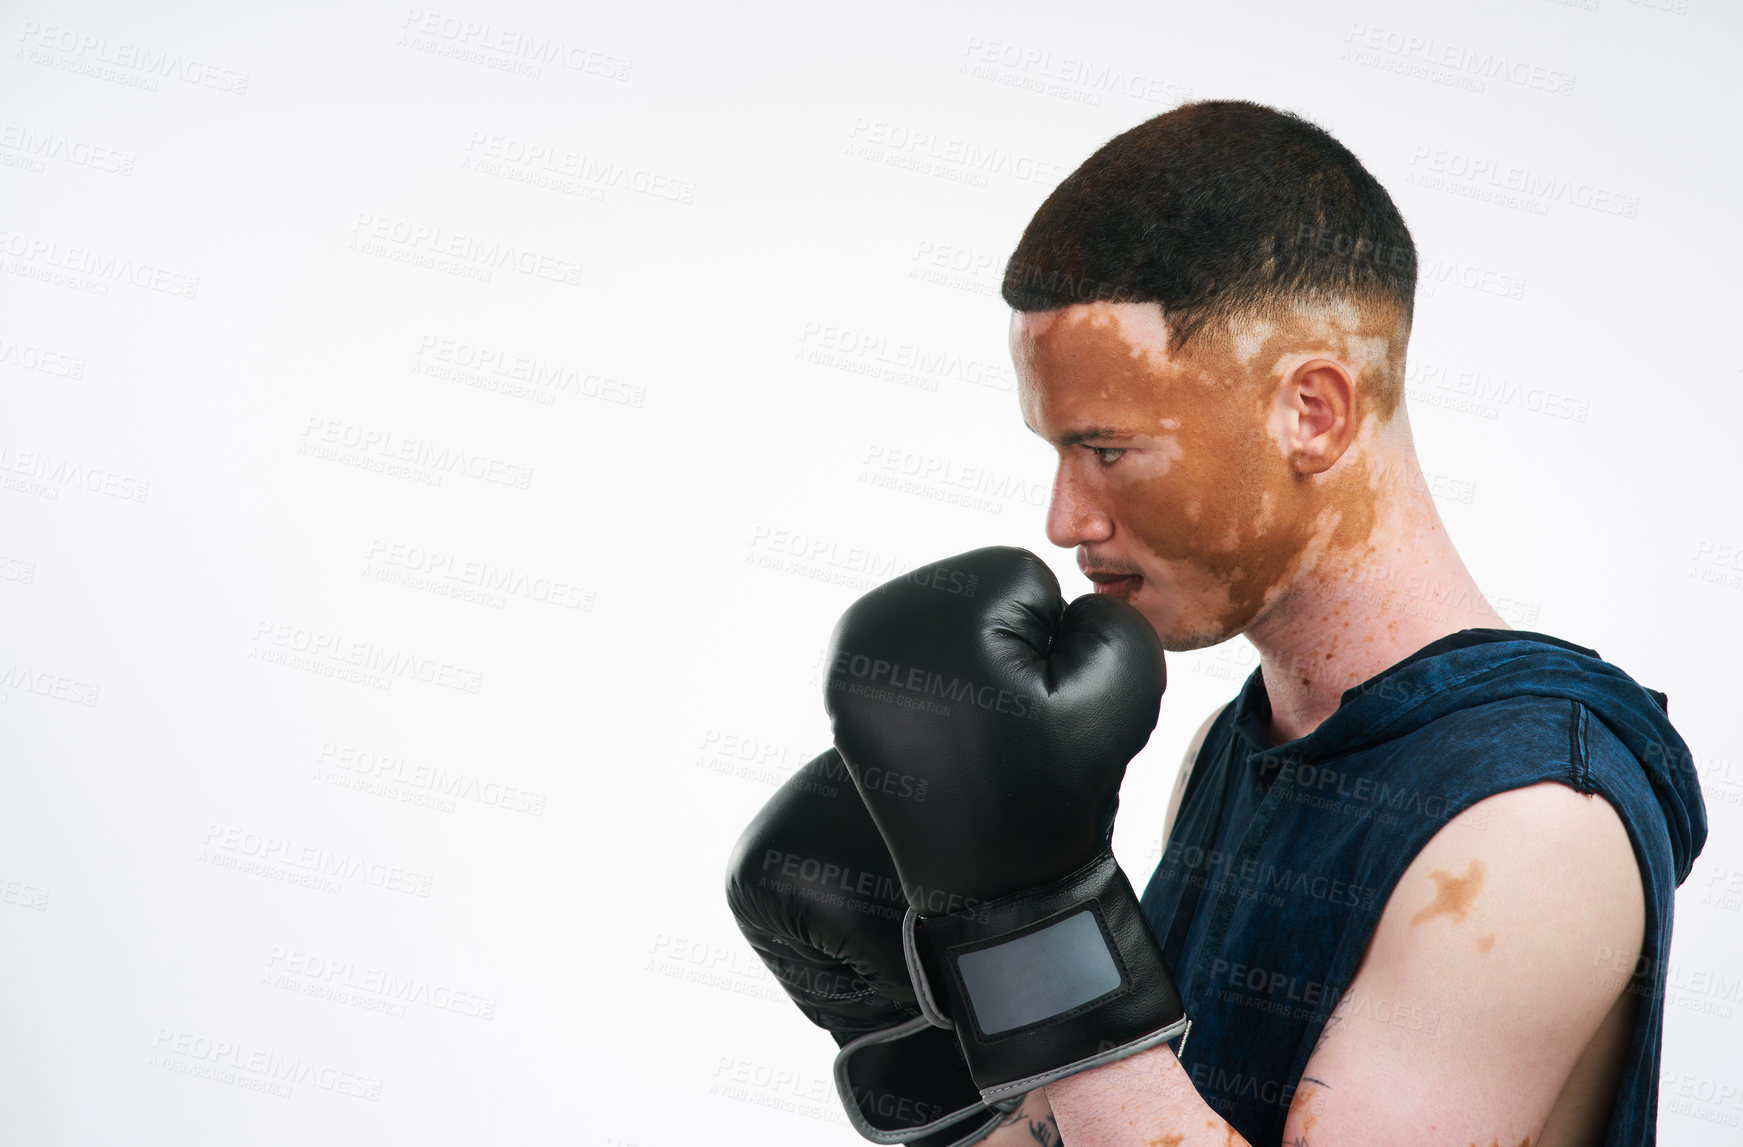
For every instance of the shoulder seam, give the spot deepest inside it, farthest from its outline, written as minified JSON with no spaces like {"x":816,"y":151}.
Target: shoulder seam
{"x":1578,"y":758}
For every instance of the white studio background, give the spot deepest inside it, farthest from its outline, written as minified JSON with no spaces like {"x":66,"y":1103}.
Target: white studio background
{"x":676,"y":329}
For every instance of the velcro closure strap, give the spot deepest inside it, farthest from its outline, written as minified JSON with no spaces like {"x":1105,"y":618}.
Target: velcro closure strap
{"x":1046,"y":982}
{"x":1054,"y":968}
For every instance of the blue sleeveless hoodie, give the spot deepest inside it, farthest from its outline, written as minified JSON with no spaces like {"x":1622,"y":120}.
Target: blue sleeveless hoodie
{"x":1282,"y":858}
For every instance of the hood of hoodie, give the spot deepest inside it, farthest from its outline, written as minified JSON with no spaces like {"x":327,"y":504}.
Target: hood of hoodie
{"x":1477,"y":666}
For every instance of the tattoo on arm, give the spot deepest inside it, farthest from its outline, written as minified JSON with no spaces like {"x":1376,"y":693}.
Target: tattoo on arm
{"x":1044,"y":1132}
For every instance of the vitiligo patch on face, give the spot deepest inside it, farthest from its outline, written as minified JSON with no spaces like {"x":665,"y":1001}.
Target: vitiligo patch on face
{"x":1453,"y":894}
{"x":1209,"y":486}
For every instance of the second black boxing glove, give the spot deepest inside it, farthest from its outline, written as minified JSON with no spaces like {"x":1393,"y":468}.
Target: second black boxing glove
{"x":814,"y":891}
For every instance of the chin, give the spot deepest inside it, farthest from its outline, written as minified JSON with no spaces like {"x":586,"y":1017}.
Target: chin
{"x":1187,"y":642}
{"x":1178,"y":635}
{"x":1183,"y":635}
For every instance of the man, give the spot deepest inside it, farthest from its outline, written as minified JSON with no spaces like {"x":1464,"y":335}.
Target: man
{"x":1404,"y":865}
{"x":1211,"y":322}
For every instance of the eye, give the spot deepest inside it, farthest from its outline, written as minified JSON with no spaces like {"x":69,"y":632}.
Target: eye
{"x":1108,"y":454}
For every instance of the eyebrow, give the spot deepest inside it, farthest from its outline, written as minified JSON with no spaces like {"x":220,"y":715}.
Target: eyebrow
{"x":1077,"y":437}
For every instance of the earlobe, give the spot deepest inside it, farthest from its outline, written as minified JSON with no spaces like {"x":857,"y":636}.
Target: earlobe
{"x":1309,"y":461}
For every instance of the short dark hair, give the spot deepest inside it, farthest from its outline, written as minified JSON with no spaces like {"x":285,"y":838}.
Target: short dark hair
{"x":1217,"y":210}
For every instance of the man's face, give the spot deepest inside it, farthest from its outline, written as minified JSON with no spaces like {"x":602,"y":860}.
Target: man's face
{"x":1174,"y":481}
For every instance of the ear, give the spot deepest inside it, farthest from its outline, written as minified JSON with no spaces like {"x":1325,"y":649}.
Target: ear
{"x":1317,"y":404}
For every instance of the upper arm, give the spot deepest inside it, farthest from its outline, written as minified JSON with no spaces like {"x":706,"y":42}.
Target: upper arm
{"x":1186,"y":771}
{"x":1483,"y":982}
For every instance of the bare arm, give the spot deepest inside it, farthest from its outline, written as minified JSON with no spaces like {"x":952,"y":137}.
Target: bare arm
{"x":1481,"y":986}
{"x":1472,"y":1004}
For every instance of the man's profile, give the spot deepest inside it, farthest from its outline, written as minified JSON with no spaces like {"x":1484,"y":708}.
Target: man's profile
{"x":1417,"y":878}
{"x":1403,"y":866}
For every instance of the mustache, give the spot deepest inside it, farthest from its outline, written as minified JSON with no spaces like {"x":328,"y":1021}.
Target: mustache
{"x":1086,"y":560}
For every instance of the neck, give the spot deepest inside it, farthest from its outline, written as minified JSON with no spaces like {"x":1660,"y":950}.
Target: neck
{"x":1350,"y":615}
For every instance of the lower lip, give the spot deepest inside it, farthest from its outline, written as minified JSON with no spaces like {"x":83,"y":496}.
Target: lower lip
{"x":1122,"y":588}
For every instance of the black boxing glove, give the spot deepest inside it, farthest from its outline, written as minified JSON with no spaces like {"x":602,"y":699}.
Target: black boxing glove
{"x":814,"y":891}
{"x":1019,"y":714}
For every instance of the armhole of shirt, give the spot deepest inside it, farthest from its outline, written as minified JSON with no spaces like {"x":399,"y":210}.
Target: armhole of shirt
{"x":1188,"y":765}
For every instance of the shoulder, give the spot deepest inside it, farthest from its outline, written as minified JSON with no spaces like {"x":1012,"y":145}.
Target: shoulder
{"x":1512,"y":742}
{"x":1518,"y":726}
{"x":1515,"y":895}
{"x":1545,"y":860}
{"x":1496,"y":946}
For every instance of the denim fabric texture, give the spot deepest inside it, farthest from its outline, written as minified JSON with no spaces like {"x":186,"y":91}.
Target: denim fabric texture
{"x":1282,"y":857}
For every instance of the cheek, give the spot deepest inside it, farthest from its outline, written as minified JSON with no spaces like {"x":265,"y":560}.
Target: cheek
{"x":1147,"y":505}
{"x":1241,"y":520}
{"x":1219,"y":507}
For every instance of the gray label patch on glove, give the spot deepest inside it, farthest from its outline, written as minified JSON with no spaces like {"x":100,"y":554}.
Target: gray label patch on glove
{"x":1045,"y":973}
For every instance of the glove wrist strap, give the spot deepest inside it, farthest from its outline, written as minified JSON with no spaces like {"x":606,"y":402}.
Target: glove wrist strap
{"x":1047,"y":982}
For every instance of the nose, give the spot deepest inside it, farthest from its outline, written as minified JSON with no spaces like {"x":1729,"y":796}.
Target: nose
{"x":1074,"y":516}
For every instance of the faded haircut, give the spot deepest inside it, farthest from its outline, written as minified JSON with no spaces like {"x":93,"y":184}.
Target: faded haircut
{"x":1223,"y":212}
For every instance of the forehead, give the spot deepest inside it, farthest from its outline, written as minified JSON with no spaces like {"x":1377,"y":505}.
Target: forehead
{"x":1135,"y":330}
{"x":1092,"y":360}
